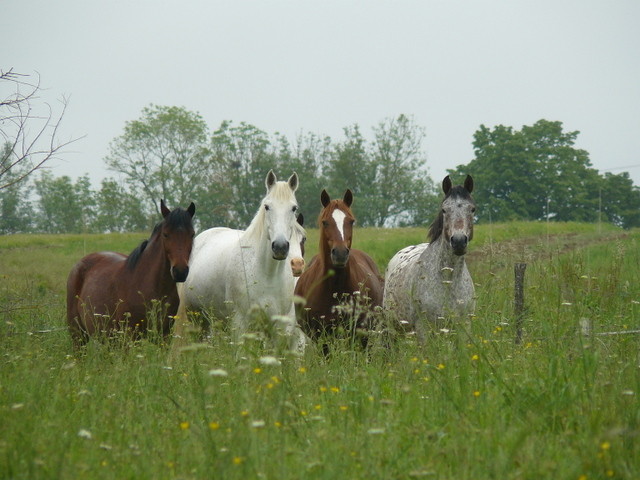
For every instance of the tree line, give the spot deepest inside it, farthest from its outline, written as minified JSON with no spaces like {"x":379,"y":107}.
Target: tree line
{"x":169,"y":152}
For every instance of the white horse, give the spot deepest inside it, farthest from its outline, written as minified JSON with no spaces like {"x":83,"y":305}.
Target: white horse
{"x":232,"y":272}
{"x":428,"y":285}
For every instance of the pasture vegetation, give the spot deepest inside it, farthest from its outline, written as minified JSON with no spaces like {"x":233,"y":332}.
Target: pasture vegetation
{"x":469,"y":404}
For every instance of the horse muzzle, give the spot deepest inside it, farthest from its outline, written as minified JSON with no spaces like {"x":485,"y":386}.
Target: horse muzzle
{"x":179,"y":274}
{"x":459,"y":244}
{"x":280,"y":249}
{"x":297,"y":266}
{"x":339,"y":257}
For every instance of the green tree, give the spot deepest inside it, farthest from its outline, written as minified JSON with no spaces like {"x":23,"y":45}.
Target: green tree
{"x":402,"y":186}
{"x":63,"y":206}
{"x":619,"y":200}
{"x":307,"y":157}
{"x":531,"y":174}
{"x":16,"y":212}
{"x":241,"y":157}
{"x":117,"y":210}
{"x":162,"y":155}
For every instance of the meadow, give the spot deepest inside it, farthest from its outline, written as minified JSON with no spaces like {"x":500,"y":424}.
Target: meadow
{"x":470,"y":404}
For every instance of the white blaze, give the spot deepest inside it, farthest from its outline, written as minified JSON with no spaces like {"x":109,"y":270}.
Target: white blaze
{"x":339,"y":216}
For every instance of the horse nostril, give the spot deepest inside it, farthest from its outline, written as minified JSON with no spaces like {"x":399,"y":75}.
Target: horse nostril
{"x":179,"y":274}
{"x":459,"y":243}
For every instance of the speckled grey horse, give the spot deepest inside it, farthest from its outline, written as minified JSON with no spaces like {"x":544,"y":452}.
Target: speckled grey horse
{"x":428,"y":286}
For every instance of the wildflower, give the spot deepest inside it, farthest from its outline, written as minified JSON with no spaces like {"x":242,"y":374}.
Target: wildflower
{"x":476,"y":393}
{"x":610,"y":473}
{"x":302,"y":370}
{"x":414,"y":359}
{"x":257,"y":370}
{"x":318,"y":407}
{"x":344,"y":408}
{"x":269,"y":360}
{"x":605,"y":446}
{"x":323,"y":389}
{"x":82,"y":433}
{"x":218,"y":372}
{"x":335,"y":389}
{"x":214,"y":425}
{"x":475,"y":357}
{"x":257,"y":423}
{"x":304,"y":413}
{"x":275,"y":379}
{"x":237,"y":460}
{"x":244,"y":413}
{"x":440,"y":366}
{"x":375,"y":431}
{"x":277,"y":424}
{"x":184,"y":425}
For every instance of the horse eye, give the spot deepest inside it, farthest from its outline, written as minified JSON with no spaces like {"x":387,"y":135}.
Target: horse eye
{"x":473,"y":209}
{"x":266,"y":207}
{"x":325,"y":223}
{"x":294,"y":208}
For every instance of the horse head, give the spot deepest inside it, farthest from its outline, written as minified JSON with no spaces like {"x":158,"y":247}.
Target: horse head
{"x":455,"y":220}
{"x":336,"y":227}
{"x":280,"y":209}
{"x":177,"y":238}
{"x":296,"y":250}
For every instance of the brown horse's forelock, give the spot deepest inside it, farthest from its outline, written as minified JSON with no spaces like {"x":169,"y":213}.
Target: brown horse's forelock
{"x":435,"y":229}
{"x":327,"y":211}
{"x":177,"y":219}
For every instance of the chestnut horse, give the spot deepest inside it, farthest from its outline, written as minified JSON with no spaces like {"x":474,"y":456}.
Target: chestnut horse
{"x":107,"y":290}
{"x":338,"y":274}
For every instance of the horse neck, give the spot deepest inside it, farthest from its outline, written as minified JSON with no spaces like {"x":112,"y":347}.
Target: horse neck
{"x":262,"y":251}
{"x":153,"y":263}
{"x":445,"y":258}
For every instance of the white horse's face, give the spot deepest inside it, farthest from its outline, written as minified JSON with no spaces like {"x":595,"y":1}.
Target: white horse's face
{"x":280,"y":217}
{"x":280,"y":212}
{"x":458,"y":213}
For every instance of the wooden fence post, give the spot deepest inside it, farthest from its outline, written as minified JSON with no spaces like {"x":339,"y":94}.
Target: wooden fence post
{"x":518,"y":302}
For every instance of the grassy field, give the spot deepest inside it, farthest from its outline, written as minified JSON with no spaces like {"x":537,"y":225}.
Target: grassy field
{"x":471,"y":404}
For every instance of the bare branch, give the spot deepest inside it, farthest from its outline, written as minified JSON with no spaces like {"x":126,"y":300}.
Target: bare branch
{"x":30,"y":140}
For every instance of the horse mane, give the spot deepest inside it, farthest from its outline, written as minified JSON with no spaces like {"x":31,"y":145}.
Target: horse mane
{"x":280,"y":191}
{"x":134,"y":256}
{"x":178,"y":218}
{"x":435,"y":229}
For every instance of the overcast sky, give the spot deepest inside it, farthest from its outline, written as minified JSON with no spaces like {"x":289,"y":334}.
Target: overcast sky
{"x":318,"y":66}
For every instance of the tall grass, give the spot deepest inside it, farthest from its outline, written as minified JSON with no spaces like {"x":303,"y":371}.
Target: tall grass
{"x":471,"y":403}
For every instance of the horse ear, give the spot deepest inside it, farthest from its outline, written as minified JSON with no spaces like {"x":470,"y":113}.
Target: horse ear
{"x":468,"y":183}
{"x":324,"y":198}
{"x":271,"y":180}
{"x":446,"y":184}
{"x":163,"y":208}
{"x":293,"y":182}
{"x":348,"y":197}
{"x":192,"y":209}
{"x":300,"y":219}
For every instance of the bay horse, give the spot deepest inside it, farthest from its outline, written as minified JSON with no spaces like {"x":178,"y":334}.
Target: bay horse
{"x":108,"y":290}
{"x":428,"y":286}
{"x":336,"y":274}
{"x":234,"y":272}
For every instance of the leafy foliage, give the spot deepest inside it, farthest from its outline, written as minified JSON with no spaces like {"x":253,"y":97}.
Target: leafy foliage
{"x":537,"y":173}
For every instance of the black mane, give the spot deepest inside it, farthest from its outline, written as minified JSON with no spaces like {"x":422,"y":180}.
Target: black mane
{"x":435,"y":229}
